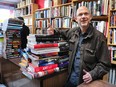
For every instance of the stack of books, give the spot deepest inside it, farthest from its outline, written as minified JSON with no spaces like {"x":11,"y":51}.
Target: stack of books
{"x":12,"y":41}
{"x":45,"y":54}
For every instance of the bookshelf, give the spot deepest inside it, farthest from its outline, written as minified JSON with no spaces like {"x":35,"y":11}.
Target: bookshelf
{"x":112,"y":40}
{"x":26,"y":10}
{"x":100,"y":15}
{"x":112,"y":31}
{"x":61,"y":15}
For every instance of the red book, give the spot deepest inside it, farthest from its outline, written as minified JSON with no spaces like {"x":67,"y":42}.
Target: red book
{"x":47,"y":72}
{"x":43,"y":45}
{"x":41,"y":68}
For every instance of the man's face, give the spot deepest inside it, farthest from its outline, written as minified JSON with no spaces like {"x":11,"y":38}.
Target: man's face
{"x":83,"y":17}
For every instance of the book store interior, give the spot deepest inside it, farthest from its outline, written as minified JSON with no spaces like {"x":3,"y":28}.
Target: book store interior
{"x":57,"y":43}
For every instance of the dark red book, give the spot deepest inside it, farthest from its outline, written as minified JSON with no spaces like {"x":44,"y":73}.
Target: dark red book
{"x":43,"y":45}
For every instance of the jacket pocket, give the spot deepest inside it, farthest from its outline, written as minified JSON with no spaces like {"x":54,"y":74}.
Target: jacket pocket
{"x":71,"y":44}
{"x":89,"y":55}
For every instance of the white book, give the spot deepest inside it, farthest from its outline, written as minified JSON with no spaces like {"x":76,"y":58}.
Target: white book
{"x":110,"y":76}
{"x":113,"y":76}
{"x":45,"y":51}
{"x":114,"y":36}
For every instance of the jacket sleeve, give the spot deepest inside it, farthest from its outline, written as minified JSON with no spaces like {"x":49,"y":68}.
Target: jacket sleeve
{"x":65,"y":34}
{"x":103,"y":59}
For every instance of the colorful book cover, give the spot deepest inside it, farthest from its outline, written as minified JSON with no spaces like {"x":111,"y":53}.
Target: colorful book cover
{"x":42,"y":68}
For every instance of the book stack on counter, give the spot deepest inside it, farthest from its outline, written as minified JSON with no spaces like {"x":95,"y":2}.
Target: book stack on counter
{"x":12,"y":39}
{"x":44,"y":55}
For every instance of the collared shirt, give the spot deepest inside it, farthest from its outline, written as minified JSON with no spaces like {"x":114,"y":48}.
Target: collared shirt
{"x":76,"y":69}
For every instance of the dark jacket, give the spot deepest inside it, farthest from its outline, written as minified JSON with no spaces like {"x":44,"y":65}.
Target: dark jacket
{"x":24,"y":33}
{"x":94,"y":54}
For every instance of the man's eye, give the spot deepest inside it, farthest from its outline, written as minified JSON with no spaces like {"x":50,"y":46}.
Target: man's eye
{"x":80,"y":14}
{"x":86,"y":13}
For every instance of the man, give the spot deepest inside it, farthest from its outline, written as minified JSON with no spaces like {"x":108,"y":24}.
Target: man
{"x":89,"y":58}
{"x":24,"y":33}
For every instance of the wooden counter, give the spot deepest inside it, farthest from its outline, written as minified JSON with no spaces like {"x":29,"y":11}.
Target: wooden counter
{"x":13,"y":77}
{"x":97,"y":83}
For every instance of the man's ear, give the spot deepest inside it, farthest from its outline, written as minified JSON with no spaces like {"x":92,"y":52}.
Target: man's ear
{"x":91,"y":17}
{"x":75,"y":19}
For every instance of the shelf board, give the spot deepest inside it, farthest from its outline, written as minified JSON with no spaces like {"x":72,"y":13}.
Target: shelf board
{"x":112,"y":27}
{"x":113,"y":62}
{"x":100,"y":18}
{"x":113,"y":10}
{"x":41,"y":18}
{"x":23,"y":6}
{"x":61,"y":5}
{"x":83,"y":0}
{"x":29,"y":24}
{"x":42,"y":9}
{"x":27,"y":15}
{"x":111,"y":44}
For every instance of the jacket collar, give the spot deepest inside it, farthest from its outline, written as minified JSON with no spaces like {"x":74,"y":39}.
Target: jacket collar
{"x":88,"y":33}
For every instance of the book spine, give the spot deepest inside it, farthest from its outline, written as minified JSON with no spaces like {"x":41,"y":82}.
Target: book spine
{"x":47,"y":72}
{"x":45,"y":45}
{"x":42,"y":68}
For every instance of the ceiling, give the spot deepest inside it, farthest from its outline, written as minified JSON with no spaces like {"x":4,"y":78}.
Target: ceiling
{"x":9,"y":2}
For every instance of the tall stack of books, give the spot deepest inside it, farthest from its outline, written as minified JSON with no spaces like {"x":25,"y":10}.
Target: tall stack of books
{"x":12,"y":40}
{"x":45,"y":54}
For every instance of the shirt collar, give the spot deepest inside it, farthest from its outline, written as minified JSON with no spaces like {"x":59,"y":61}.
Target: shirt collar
{"x":88,"y":33}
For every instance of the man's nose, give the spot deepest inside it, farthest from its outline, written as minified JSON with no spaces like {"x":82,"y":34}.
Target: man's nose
{"x":83,"y":15}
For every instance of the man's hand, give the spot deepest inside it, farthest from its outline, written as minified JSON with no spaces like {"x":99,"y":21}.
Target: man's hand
{"x":50,"y":30}
{"x":87,"y":77}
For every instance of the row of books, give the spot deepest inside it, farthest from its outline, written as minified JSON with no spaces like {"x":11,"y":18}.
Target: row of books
{"x":24,"y":3}
{"x":112,"y":4}
{"x":28,"y":21}
{"x":97,"y":8}
{"x":24,"y":11}
{"x":56,"y":23}
{"x":113,"y":19}
{"x":102,"y":26}
{"x":1,"y":44}
{"x":49,"y":3}
{"x":65,"y":10}
{"x":112,"y":75}
{"x":112,"y":36}
{"x":112,"y":53}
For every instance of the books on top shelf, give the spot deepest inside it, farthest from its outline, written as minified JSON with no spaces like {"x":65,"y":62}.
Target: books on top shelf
{"x":97,"y":8}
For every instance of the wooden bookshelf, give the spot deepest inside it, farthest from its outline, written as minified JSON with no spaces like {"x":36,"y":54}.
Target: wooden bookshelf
{"x":113,"y":62}
{"x":27,"y":12}
{"x":112,"y":30}
{"x":111,"y":39}
{"x":100,"y":18}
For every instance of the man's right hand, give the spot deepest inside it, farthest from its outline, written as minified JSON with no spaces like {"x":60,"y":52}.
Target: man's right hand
{"x":50,"y":30}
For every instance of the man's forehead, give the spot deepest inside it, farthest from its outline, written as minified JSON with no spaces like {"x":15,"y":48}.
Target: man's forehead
{"x":82,"y":9}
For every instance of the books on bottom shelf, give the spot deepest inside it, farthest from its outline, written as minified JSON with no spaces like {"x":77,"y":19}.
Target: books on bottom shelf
{"x":112,"y":76}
